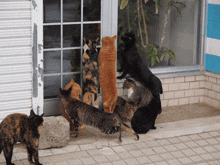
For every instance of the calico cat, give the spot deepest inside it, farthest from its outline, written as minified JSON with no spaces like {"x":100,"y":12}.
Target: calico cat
{"x":21,"y":128}
{"x":137,"y":93}
{"x":144,"y":118}
{"x":137,"y":69}
{"x":90,"y":73}
{"x":108,"y":123}
{"x":124,"y":109}
{"x":107,"y":73}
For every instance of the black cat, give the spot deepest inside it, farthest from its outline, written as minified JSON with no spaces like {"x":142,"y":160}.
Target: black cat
{"x":133,"y":65}
{"x":144,"y":118}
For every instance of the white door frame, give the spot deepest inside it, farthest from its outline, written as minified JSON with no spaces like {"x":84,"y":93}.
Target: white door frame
{"x":109,"y":16}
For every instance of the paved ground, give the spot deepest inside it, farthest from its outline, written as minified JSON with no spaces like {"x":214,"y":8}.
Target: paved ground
{"x":191,"y":141}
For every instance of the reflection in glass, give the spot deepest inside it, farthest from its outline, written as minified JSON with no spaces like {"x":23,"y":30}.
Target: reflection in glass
{"x":91,"y":10}
{"x":71,"y":10}
{"x":71,"y":60}
{"x":51,"y":86}
{"x":52,"y":62}
{"x":52,"y":36}
{"x":51,"y":11}
{"x":75,"y":77}
{"x":91,"y":31}
{"x":71,"y":35}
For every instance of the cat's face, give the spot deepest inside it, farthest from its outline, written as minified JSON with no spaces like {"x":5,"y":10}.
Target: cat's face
{"x":90,"y":45}
{"x":128,"y":38}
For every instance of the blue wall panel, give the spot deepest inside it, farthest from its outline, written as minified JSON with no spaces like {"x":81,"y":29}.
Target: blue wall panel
{"x":214,"y":12}
{"x":212,"y":63}
{"x":213,"y":21}
{"x":213,"y":29}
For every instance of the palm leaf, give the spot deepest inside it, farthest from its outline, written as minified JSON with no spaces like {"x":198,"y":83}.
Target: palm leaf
{"x":123,"y":4}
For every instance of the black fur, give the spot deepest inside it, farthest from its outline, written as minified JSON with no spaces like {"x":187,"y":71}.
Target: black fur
{"x":144,"y":118}
{"x":137,"y":69}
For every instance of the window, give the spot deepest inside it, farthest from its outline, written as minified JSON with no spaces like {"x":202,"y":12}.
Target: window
{"x":173,"y":29}
{"x":65,"y":24}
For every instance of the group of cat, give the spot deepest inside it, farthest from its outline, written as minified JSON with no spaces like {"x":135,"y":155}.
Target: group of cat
{"x":143,"y":103}
{"x":141,"y":108}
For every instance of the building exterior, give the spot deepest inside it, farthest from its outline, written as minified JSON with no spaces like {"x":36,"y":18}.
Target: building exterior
{"x":23,"y":64}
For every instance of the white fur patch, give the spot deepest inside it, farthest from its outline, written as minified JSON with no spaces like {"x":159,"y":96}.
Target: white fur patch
{"x":85,"y":47}
{"x":130,"y":92}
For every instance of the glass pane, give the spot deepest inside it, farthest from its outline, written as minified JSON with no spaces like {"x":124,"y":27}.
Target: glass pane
{"x":71,"y":10}
{"x":51,"y":11}
{"x":71,"y":60}
{"x":91,"y":10}
{"x":91,"y":31}
{"x":172,"y":38}
{"x":52,"y":36}
{"x":182,"y":34}
{"x":71,"y":35}
{"x":75,"y":77}
{"x":51,"y":86}
{"x":52,"y":62}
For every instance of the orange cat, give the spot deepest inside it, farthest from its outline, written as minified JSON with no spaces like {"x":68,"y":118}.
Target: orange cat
{"x":107,"y":73}
{"x":76,"y":90}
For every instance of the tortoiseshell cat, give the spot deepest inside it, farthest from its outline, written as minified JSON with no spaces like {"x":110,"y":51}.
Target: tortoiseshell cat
{"x":90,"y":73}
{"x":137,"y":93}
{"x":21,"y":128}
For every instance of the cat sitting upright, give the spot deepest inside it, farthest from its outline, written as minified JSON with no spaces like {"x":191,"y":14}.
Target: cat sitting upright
{"x":21,"y":128}
{"x":144,"y":118}
{"x":135,"y":67}
{"x":107,"y":73}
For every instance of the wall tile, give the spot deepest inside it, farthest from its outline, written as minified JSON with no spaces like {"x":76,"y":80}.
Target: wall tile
{"x":189,"y":78}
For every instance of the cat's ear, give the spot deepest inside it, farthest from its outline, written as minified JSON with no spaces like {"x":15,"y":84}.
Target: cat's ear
{"x":32,"y":113}
{"x":114,"y":37}
{"x":60,"y":90}
{"x":42,"y":115}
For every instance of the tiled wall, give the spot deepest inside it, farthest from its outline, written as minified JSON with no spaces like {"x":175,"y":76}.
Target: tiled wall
{"x":188,"y":90}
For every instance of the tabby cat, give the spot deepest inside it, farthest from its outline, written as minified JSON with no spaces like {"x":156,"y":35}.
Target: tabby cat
{"x":125,"y":109}
{"x":137,"y":93}
{"x":90,"y":72}
{"x":21,"y":128}
{"x":80,"y":112}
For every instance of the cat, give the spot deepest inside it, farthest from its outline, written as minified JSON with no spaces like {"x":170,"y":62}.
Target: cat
{"x":107,"y":73}
{"x":124,"y":109}
{"x":19,"y":127}
{"x":137,"y":93}
{"x":90,"y":73}
{"x":76,"y":91}
{"x":144,"y":118}
{"x":108,"y":123}
{"x":137,"y":69}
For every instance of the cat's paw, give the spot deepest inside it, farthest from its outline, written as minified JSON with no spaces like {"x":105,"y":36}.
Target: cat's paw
{"x":137,"y":137}
{"x":153,"y":127}
{"x":12,"y":164}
